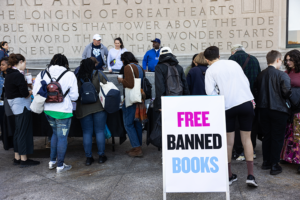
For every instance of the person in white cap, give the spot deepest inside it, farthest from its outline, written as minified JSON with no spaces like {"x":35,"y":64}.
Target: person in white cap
{"x":167,"y":60}
{"x":97,"y":50}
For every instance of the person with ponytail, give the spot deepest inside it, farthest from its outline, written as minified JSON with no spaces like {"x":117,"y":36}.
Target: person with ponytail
{"x":92,"y":116}
{"x":19,"y":100}
{"x":114,"y":62}
{"x":60,"y":114}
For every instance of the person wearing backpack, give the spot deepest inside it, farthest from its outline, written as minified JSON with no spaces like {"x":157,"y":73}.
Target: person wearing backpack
{"x":58,"y":106}
{"x":90,"y":112}
{"x":196,"y":76}
{"x":169,"y":78}
{"x":132,"y":125}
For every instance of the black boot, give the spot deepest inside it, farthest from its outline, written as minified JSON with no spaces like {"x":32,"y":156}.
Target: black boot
{"x":298,"y":170}
{"x":266,"y":165}
{"x":102,"y":159}
{"x":89,"y":161}
{"x":276,"y":169}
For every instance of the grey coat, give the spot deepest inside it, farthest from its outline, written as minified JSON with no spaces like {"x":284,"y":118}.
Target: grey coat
{"x":87,"y":53}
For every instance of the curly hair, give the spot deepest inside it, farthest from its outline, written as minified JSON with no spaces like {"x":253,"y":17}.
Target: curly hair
{"x":127,"y":58}
{"x":295,"y":58}
{"x":60,"y":60}
{"x":86,"y":69}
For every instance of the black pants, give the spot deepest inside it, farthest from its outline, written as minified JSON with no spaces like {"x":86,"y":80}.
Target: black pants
{"x":273,"y":124}
{"x":238,"y":146}
{"x":23,"y":137}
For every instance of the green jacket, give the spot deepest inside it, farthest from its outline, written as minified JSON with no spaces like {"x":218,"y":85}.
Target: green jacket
{"x":251,"y":70}
{"x":187,"y":70}
{"x":82,"y":110}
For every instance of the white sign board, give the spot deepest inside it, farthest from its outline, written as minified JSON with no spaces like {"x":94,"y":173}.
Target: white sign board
{"x":194,"y":144}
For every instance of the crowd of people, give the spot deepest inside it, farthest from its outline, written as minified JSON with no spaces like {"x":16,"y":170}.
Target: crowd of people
{"x":257,"y":103}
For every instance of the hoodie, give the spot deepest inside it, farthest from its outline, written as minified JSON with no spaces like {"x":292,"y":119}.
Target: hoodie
{"x":68,"y":81}
{"x":161,"y":72}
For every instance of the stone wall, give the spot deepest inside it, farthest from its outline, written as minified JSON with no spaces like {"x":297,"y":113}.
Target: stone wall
{"x":38,"y":29}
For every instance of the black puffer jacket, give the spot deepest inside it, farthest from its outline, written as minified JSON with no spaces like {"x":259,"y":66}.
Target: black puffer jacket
{"x":272,"y":88}
{"x":161,"y":72}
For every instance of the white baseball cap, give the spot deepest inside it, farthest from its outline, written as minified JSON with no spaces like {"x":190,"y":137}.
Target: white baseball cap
{"x":165,"y":50}
{"x":97,"y":37}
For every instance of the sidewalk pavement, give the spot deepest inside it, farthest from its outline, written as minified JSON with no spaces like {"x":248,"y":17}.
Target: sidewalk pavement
{"x":126,"y":178}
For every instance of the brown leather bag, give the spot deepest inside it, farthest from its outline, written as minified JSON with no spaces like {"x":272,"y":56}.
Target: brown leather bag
{"x":54,"y":90}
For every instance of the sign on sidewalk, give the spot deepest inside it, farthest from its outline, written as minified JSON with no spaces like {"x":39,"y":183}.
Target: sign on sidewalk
{"x":194,"y":145}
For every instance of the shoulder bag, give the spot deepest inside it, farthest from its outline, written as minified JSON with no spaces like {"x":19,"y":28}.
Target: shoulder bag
{"x":133,"y":95}
{"x":113,"y":62}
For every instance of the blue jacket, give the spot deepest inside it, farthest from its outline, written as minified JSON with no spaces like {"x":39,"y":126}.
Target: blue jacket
{"x":151,"y":59}
{"x":195,"y":80}
{"x":3,"y":53}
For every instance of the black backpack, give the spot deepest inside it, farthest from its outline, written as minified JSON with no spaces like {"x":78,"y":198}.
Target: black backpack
{"x":146,"y":85}
{"x":174,"y":85}
{"x":156,"y":134}
{"x":88,"y":93}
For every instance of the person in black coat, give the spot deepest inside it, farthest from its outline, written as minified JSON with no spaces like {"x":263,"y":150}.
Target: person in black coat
{"x":161,"y":72}
{"x":18,"y":98}
{"x":196,"y":76}
{"x":272,"y":89}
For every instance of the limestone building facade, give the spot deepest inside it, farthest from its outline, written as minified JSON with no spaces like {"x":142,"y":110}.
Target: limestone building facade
{"x":38,"y":29}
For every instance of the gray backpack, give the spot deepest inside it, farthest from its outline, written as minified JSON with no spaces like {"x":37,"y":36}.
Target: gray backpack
{"x":173,"y":82}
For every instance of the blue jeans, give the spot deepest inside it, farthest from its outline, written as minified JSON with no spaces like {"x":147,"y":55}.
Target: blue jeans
{"x":94,"y":123}
{"x":59,"y":140}
{"x":133,"y":128}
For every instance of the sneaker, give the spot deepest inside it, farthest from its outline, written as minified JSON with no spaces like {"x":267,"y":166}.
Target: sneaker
{"x":16,"y":162}
{"x":52,"y":165}
{"x":254,"y":154}
{"x":102,"y":159}
{"x":66,"y":168}
{"x":232,"y":179}
{"x":251,"y":181}
{"x":28,"y":163}
{"x":48,"y":145}
{"x":241,"y":157}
